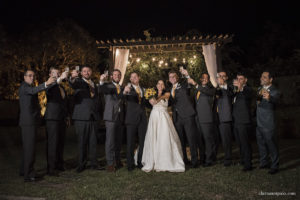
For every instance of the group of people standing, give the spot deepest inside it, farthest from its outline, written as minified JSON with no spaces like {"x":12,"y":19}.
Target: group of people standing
{"x":197,"y":121}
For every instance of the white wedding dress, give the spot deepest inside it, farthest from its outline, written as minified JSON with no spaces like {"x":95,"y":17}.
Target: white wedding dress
{"x":162,"y":148}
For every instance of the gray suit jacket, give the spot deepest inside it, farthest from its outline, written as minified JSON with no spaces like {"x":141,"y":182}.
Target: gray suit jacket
{"x":29,"y":104}
{"x":114,"y":104}
{"x":265,"y":115}
{"x":204,"y":105}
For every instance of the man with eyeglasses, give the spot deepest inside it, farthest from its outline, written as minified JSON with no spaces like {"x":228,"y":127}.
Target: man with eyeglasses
{"x":29,"y":117}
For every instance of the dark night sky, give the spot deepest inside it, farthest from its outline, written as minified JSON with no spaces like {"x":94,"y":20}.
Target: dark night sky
{"x":123,"y":19}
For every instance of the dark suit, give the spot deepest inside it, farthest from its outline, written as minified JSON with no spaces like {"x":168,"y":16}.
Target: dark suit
{"x":242,"y":123}
{"x":183,"y":114}
{"x":85,"y":116}
{"x":204,"y":109}
{"x":265,"y":130}
{"x":55,"y":116}
{"x":136,"y":123}
{"x":223,"y":117}
{"x":29,"y":117}
{"x":114,"y":117}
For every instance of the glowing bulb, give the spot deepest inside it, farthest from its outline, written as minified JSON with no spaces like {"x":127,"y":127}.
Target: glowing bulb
{"x":175,"y":59}
{"x":166,"y":64}
{"x":161,"y":62}
{"x":138,"y":60}
{"x":195,"y":56}
{"x":130,"y":55}
{"x":153,"y":59}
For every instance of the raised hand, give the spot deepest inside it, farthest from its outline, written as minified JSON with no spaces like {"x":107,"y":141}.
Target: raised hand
{"x":153,"y":101}
{"x":191,"y":81}
{"x":127,"y":89}
{"x":266,"y":94}
{"x":103,"y":77}
{"x":74,"y":74}
{"x":64,"y":75}
{"x":50,"y":80}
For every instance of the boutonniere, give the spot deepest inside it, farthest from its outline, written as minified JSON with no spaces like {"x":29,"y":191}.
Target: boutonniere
{"x":178,"y":86}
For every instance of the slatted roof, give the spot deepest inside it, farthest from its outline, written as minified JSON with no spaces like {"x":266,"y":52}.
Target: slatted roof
{"x":159,"y":44}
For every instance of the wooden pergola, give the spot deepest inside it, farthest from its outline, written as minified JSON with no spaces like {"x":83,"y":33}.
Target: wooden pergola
{"x":163,"y":45}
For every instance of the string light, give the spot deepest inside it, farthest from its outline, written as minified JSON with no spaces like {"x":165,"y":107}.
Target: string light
{"x":161,"y":62}
{"x":153,"y":59}
{"x":175,"y":59}
{"x":166,"y":64}
{"x":195,"y":56}
{"x":138,"y":60}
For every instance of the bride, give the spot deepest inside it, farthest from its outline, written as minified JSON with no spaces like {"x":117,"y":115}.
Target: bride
{"x":162,"y":148}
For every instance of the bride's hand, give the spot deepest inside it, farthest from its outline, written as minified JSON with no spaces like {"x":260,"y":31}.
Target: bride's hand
{"x":153,"y":101}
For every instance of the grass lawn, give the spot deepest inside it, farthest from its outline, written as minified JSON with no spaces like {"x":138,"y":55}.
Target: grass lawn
{"x":216,"y":182}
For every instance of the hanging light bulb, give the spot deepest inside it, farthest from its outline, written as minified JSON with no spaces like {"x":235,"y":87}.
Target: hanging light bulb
{"x":138,"y":60}
{"x":161,"y":62}
{"x":153,"y":59}
{"x":183,"y":60}
{"x":175,"y":59}
{"x":195,"y":56}
{"x":166,"y":64}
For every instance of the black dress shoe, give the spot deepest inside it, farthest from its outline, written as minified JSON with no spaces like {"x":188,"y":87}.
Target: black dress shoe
{"x":227,"y":164}
{"x":130,"y":169}
{"x":273,"y":171}
{"x":264,"y":167}
{"x":207,"y":164}
{"x":119,"y":164}
{"x":80,"y":169}
{"x":53,"y":173}
{"x":32,"y":179}
{"x":140,"y":166}
{"x":60,"y":168}
{"x":246,"y":169}
{"x":96,"y":167}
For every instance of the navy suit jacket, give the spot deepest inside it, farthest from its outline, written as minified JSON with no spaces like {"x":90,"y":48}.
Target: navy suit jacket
{"x":242,"y":106}
{"x":204,"y":105}
{"x":86,"y":107}
{"x":57,"y":107}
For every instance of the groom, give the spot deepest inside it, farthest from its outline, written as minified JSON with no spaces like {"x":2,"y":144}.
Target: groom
{"x":183,"y":115}
{"x":135,"y":119}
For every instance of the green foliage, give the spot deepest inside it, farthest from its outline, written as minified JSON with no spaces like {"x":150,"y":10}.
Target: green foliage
{"x":62,"y":44}
{"x":155,"y":66}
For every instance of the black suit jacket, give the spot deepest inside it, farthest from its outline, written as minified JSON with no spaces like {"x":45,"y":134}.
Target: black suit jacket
{"x":265,"y":110}
{"x":85,"y":107}
{"x":135,"y":110}
{"x":242,"y":106}
{"x":114,"y":104}
{"x":29,"y":104}
{"x":204,"y":105}
{"x":57,"y":107}
{"x":223,"y":104}
{"x":182,"y":104}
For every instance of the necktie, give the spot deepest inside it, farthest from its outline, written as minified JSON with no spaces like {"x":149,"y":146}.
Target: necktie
{"x":138,"y":91}
{"x":62,"y":92}
{"x":92,"y":89}
{"x":118,"y":88}
{"x":198,"y":94}
{"x":173,"y":91}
